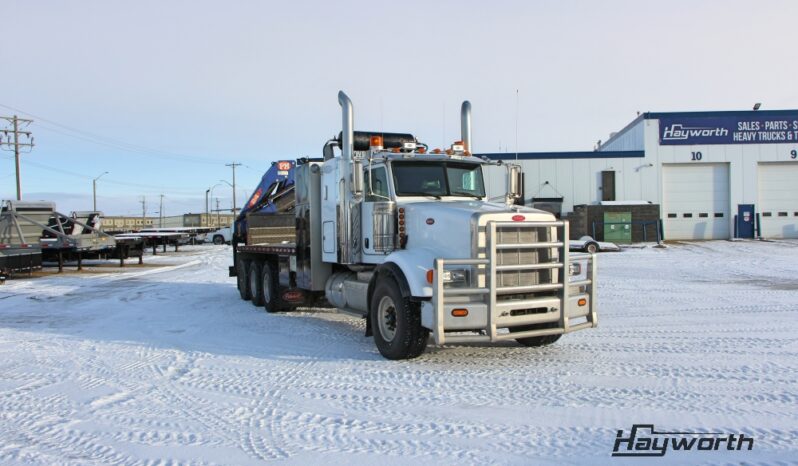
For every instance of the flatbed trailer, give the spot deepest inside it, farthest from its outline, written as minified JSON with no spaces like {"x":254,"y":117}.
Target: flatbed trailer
{"x":17,"y":255}
{"x":155,"y":239}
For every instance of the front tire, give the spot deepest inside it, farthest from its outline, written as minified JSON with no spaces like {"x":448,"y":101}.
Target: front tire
{"x":218,"y":239}
{"x":396,"y":322}
{"x":534,"y":342}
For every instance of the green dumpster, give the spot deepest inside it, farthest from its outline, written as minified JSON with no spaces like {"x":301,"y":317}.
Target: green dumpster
{"x":617,"y":227}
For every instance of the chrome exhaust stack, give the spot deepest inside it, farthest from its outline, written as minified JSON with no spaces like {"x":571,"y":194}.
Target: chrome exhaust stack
{"x":465,"y":125}
{"x":347,"y":126}
{"x":351,"y":182}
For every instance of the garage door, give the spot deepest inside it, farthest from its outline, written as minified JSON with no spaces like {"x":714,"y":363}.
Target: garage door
{"x":696,"y":201}
{"x":778,"y":199}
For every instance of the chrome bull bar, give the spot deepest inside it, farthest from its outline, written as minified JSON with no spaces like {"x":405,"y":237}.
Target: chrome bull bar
{"x":564,"y":305}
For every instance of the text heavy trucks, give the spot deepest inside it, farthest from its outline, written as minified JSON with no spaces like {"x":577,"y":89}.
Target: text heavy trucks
{"x":405,"y":237}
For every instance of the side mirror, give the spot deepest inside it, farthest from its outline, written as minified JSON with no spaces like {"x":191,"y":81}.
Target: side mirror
{"x":514,"y":182}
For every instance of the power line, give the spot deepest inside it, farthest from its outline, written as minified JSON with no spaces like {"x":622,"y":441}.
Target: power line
{"x":113,"y":143}
{"x":108,"y":180}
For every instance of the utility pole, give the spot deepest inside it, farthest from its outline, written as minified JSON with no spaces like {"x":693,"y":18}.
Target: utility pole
{"x":218,"y":218}
{"x":94,"y":189}
{"x":15,"y":122}
{"x":234,"y":165}
{"x":143,"y":203}
{"x":207,"y":213}
{"x":160,"y":214}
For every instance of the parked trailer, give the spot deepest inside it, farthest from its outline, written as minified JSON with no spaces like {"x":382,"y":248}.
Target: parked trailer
{"x":407,"y":239}
{"x":125,"y":248}
{"x":155,"y":238}
{"x":18,"y":253}
{"x":61,"y":237}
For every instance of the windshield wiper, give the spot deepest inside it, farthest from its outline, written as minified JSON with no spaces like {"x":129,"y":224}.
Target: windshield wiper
{"x":458,"y":193}
{"x":411,"y":193}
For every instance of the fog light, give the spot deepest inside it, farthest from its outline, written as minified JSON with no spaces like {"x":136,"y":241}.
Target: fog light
{"x":459,"y":312}
{"x":581,"y":302}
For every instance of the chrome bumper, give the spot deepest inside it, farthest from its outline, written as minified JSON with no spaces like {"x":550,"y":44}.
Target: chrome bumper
{"x":571,"y":307}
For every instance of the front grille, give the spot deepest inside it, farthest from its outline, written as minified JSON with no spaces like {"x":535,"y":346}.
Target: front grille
{"x":523,"y":256}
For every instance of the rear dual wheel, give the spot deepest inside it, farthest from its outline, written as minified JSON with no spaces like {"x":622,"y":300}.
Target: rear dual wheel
{"x":255,"y":283}
{"x":271,"y":290}
{"x":242,"y":278}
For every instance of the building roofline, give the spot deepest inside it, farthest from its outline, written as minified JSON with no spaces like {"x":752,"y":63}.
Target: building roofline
{"x":707,"y":114}
{"x":624,"y":130}
{"x":563,"y":155}
{"x":717,"y":113}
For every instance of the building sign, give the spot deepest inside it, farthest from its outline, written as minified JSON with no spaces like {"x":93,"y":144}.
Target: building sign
{"x":733,"y":129}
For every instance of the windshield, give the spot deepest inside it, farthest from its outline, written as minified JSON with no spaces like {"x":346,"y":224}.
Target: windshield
{"x":438,"y":179}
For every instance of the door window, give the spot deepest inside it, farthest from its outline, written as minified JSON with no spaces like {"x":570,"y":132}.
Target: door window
{"x":379,"y":185}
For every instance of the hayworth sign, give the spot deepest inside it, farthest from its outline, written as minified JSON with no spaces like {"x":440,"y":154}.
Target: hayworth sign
{"x":733,"y":129}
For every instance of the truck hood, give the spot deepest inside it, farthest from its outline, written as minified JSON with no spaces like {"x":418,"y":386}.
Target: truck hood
{"x":447,"y":228}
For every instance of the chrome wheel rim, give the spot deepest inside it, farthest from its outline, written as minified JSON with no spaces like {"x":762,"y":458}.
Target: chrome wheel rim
{"x":386,"y":318}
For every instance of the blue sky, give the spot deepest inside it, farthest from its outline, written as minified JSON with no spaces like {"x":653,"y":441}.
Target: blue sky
{"x":163,"y":94}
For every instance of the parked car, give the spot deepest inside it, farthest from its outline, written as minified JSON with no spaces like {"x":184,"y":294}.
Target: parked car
{"x":220,"y":236}
{"x":588,"y":244}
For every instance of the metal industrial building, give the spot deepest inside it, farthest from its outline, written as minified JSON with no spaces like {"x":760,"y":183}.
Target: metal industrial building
{"x":714,"y":175}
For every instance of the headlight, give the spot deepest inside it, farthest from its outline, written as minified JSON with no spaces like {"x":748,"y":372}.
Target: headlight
{"x":577,"y":271}
{"x":456,"y":278}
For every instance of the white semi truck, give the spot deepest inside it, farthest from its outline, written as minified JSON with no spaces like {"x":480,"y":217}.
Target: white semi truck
{"x":406,"y":238}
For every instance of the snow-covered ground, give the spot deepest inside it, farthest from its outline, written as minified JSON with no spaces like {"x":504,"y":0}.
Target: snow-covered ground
{"x":166,"y":365}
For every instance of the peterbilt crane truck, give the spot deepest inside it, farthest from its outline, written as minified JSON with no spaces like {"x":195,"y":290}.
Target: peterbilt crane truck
{"x":405,"y":237}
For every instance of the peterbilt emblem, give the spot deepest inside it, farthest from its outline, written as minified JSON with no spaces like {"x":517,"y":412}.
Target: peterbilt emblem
{"x":430,"y":221}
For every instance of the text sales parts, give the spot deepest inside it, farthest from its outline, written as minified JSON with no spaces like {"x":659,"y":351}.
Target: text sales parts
{"x":737,"y":129}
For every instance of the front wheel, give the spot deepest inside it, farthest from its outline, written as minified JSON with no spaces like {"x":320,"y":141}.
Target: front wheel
{"x":396,"y":322}
{"x":218,"y":239}
{"x":591,"y":248}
